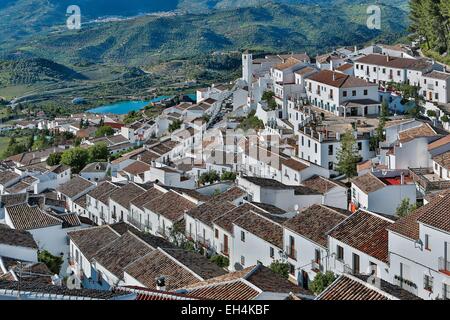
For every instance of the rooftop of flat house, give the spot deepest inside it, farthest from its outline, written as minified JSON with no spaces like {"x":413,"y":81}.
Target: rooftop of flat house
{"x":420,"y":131}
{"x":7,"y":176}
{"x":216,"y":206}
{"x":439,"y":143}
{"x":288,"y":63}
{"x":366,"y":232}
{"x":306,"y":70}
{"x":52,"y":292}
{"x":276,"y":185}
{"x":226,"y":221}
{"x":137,"y":167}
{"x":170,"y":205}
{"x":33,"y":157}
{"x":14,"y":237}
{"x":394,"y":62}
{"x":95,"y":167}
{"x":125,"y":194}
{"x":146,"y":197}
{"x":26,"y":217}
{"x":321,"y":184}
{"x":294,"y":164}
{"x":264,"y":226}
{"x":437,"y":75}
{"x":147,"y":269}
{"x":12,"y":199}
{"x":75,"y":186}
{"x":315,"y":222}
{"x":344,"y":67}
{"x":339,"y":80}
{"x":443,"y":160}
{"x":348,"y":287}
{"x":102,"y":191}
{"x":90,"y":240}
{"x":434,"y":214}
{"x":118,"y":254}
{"x":245,"y":284}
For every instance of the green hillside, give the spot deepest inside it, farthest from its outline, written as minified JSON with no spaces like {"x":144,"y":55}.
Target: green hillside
{"x":29,"y":71}
{"x":271,"y":27}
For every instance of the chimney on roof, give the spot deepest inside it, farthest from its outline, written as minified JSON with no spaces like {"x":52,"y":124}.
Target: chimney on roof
{"x":161,"y":283}
{"x":388,"y":58}
{"x":334,"y":76}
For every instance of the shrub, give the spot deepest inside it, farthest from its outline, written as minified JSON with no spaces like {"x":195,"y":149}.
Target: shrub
{"x":322,"y":281}
{"x":281,"y":268}
{"x":54,"y":263}
{"x":221,"y":261}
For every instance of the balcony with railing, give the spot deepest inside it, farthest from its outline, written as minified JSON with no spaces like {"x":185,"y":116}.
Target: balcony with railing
{"x":143,"y":226}
{"x":406,"y":284}
{"x":291,"y":252}
{"x":203,"y":242}
{"x":430,"y":86}
{"x":444,"y":266}
{"x":316,"y":266}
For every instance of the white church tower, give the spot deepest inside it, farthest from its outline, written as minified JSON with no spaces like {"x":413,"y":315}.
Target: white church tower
{"x":247,"y":70}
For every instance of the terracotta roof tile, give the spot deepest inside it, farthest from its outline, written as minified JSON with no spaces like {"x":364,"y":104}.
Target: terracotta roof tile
{"x":90,"y":240}
{"x":170,"y":205}
{"x":365,"y":232}
{"x":26,"y":217}
{"x":13,"y":237}
{"x":75,"y":186}
{"x":368,"y":183}
{"x":315,"y":222}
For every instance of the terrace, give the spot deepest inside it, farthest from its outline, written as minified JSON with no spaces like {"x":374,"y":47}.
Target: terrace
{"x":427,"y":180}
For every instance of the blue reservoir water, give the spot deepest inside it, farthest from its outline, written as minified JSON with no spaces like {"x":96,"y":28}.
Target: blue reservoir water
{"x":125,"y":106}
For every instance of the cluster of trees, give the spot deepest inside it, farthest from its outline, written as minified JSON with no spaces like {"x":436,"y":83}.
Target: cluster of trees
{"x":251,"y":122}
{"x":269,"y":97}
{"x":348,"y":155}
{"x":175,"y":125}
{"x":213,"y":176}
{"x":430,"y":22}
{"x":15,"y":147}
{"x":77,"y":158}
{"x":104,"y":131}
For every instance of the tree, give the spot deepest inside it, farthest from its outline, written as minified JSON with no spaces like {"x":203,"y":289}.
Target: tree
{"x":98,"y":152}
{"x":208,"y":177}
{"x":54,"y":263}
{"x":76,"y":158}
{"x":322,"y":281}
{"x":14,"y":148}
{"x":348,"y":156}
{"x":445,"y":118}
{"x":54,"y":159}
{"x":104,"y":131}
{"x":228,"y":176}
{"x":281,"y":268}
{"x":379,"y":132}
{"x":175,"y":125}
{"x":405,"y":208}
